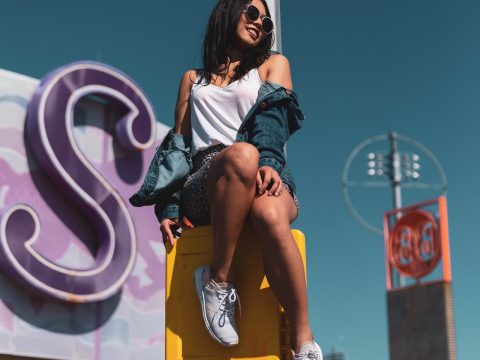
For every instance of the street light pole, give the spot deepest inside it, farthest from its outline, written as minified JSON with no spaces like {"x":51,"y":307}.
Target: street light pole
{"x":395,"y":173}
{"x":393,"y":168}
{"x":396,"y":179}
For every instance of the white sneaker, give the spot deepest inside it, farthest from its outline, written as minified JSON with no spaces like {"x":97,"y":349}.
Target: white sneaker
{"x":218,"y":308}
{"x":308,"y":351}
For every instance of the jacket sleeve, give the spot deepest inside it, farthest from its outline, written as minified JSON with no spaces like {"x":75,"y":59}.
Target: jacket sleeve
{"x":269,"y":133}
{"x":168,"y":170}
{"x":168,"y":208}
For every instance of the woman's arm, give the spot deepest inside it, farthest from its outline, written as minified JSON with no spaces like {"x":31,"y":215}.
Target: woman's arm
{"x":182,"y":108}
{"x":278,"y":71}
{"x":182,"y":126}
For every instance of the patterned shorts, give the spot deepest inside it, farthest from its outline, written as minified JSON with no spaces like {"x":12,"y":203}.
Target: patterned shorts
{"x":194,"y":200}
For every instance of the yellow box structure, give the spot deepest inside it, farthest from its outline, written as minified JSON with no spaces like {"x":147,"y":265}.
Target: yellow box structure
{"x":263,"y":329}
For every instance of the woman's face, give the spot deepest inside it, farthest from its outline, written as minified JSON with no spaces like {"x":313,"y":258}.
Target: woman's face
{"x":249,"y":33}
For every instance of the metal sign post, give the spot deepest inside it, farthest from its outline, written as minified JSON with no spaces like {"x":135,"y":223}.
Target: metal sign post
{"x":420,"y":311}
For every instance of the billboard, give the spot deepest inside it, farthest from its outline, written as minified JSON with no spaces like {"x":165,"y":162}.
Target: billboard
{"x":83,"y":270}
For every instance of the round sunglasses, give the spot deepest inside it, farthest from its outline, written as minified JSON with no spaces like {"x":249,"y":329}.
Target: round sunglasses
{"x":252,"y":13}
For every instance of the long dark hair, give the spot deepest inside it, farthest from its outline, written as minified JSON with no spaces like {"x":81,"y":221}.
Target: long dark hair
{"x":221,"y":34}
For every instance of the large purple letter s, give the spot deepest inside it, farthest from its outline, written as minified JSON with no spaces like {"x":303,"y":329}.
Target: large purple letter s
{"x":49,"y":127}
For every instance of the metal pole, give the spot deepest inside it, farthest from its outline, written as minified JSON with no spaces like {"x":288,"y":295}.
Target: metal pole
{"x":396,"y":179}
{"x":396,"y":173}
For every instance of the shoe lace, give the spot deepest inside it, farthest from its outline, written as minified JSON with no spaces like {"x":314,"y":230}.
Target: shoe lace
{"x":309,"y":355}
{"x":227,"y":304}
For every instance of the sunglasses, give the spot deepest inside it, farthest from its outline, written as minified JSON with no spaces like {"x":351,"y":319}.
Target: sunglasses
{"x":252,"y":13}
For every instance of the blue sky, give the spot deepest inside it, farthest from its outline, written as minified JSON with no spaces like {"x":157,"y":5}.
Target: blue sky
{"x":360,"y":68}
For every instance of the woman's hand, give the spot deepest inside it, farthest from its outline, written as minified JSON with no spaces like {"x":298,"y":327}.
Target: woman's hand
{"x":268,"y":179}
{"x":168,"y":227}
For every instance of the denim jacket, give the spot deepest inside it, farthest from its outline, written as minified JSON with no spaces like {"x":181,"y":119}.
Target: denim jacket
{"x":268,"y":125}
{"x":167,"y":172}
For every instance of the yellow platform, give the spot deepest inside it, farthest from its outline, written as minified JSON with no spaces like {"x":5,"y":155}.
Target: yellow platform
{"x":263,"y":329}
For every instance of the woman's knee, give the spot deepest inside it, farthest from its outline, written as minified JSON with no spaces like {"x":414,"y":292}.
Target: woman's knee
{"x":270,"y":218}
{"x":241,"y":159}
{"x":273,"y":227}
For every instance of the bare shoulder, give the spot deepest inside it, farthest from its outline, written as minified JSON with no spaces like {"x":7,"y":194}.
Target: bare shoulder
{"x":188,"y":78}
{"x":278,"y":70}
{"x":278,"y":61}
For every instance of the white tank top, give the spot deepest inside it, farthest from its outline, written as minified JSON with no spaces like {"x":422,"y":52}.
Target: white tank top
{"x":217,"y":113}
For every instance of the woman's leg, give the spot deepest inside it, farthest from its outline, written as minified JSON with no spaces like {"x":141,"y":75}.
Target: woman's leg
{"x":231,"y":184}
{"x":271,"y":217}
{"x":230,"y":190}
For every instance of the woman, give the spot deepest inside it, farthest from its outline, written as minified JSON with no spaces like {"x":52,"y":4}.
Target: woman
{"x":231,"y":182}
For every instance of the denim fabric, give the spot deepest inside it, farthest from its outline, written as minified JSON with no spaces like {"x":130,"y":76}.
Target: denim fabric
{"x":271,"y":121}
{"x":273,"y":118}
{"x":168,"y":170}
{"x":169,"y":207}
